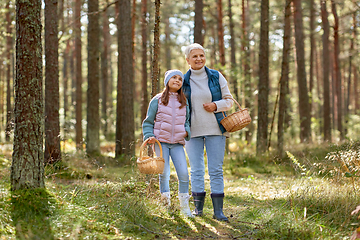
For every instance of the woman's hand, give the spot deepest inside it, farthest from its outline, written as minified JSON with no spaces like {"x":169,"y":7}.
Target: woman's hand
{"x":151,"y":140}
{"x":210,"y":107}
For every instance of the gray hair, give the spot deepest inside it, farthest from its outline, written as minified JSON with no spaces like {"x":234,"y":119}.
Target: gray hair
{"x":191,"y":47}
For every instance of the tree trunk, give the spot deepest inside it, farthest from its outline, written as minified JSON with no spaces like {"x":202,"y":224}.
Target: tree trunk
{"x":9,"y":46}
{"x":78,"y":76}
{"x":305,"y":119}
{"x":66,"y":55}
{"x":312,"y":50}
{"x":126,"y":104}
{"x":144,"y":75}
{"x":326,"y":66}
{"x":104,"y":72}
{"x":221,"y":33}
{"x":93,"y":116}
{"x":167,"y":42}
{"x":52,"y":102}
{"x":284,"y":77}
{"x":338,"y":85}
{"x":27,"y":169}
{"x":233,"y":75}
{"x":198,"y":26}
{"x":355,"y":70}
{"x":245,"y":49}
{"x":155,"y":60}
{"x":263,"y":85}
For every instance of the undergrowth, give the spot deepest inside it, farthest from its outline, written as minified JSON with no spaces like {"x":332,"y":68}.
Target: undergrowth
{"x":309,"y":194}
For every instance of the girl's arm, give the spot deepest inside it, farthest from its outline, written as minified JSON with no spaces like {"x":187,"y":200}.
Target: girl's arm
{"x":187,"y":123}
{"x":149,"y":121}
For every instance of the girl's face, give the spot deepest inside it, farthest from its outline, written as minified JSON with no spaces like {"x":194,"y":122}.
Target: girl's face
{"x":196,"y":59}
{"x":175,"y":83}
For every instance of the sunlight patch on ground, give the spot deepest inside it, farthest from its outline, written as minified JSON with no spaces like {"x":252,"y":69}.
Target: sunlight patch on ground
{"x":261,"y":189}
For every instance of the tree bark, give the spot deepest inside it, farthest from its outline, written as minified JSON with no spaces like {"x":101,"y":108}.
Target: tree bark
{"x":104,"y":72}
{"x":338,"y":85}
{"x":9,"y":92}
{"x":155,"y":60}
{"x":245,"y":49}
{"x":52,"y":102}
{"x":93,"y":115}
{"x":284,"y":77}
{"x":144,"y":75}
{"x":263,"y":85}
{"x":233,"y":75}
{"x":312,"y":50}
{"x":126,"y":104}
{"x":221,"y":33}
{"x":326,"y":68}
{"x":305,"y":119}
{"x":198,"y":25}
{"x":27,"y":169}
{"x":78,"y":76}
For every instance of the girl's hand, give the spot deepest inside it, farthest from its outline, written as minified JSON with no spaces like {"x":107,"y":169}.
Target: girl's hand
{"x":151,"y":140}
{"x":210,"y":107}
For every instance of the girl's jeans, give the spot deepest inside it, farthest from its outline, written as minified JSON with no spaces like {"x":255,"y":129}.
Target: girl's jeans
{"x":177,"y":154}
{"x":215,"y":150}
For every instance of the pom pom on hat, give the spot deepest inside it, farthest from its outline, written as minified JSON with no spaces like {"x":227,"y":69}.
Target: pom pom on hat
{"x":169,"y":74}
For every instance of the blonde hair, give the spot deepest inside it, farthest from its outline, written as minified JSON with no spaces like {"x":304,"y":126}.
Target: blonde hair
{"x":191,"y":47}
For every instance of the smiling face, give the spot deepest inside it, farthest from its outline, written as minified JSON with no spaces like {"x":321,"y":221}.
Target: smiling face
{"x":175,"y":83}
{"x":196,"y":59}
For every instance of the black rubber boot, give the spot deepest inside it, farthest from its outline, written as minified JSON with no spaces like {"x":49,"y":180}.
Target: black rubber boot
{"x":218,"y":201}
{"x":199,"y":200}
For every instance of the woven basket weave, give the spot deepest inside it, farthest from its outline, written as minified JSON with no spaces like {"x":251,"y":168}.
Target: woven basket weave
{"x":237,"y":120}
{"x":150,"y":165}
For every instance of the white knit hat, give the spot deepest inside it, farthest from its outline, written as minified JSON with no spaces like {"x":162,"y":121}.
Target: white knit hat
{"x":169,"y":74}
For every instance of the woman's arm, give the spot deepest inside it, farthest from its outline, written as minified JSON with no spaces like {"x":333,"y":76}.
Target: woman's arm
{"x":225,"y":103}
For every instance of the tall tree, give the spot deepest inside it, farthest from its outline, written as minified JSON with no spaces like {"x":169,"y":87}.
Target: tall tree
{"x":78,"y":76}
{"x":27,"y":169}
{"x":233,"y":77}
{"x":52,"y":122}
{"x":284,"y":77}
{"x":326,"y":66}
{"x":105,"y":70}
{"x":198,"y":25}
{"x":263,"y":85}
{"x":126,"y":105}
{"x":312,"y":51}
{"x":355,"y":70}
{"x":144,"y":75}
{"x":337,"y":75}
{"x":9,"y":46}
{"x":304,"y":111}
{"x":220,"y":32}
{"x":93,"y":115}
{"x":245,"y":49}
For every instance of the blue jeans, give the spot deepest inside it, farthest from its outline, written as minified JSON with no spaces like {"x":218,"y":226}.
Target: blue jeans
{"x":215,"y":150}
{"x":177,"y":154}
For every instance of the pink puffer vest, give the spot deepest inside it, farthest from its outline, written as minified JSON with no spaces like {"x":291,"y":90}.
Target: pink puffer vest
{"x":170,"y":121}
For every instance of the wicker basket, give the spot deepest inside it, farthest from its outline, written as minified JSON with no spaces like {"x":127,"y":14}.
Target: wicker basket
{"x":150,"y":165}
{"x":237,"y":120}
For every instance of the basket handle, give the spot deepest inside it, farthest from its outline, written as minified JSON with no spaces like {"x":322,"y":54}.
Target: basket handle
{"x":144,"y":144}
{"x":235,"y":102}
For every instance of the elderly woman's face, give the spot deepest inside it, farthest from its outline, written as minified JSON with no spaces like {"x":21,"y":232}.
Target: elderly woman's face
{"x":196,"y":59}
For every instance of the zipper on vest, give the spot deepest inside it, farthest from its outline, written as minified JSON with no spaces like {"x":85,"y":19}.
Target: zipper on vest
{"x":173,"y":119}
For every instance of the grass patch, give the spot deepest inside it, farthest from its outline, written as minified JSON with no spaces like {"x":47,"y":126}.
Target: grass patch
{"x":265,"y":198}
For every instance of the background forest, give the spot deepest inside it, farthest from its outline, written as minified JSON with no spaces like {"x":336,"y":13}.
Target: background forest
{"x":275,"y":60}
{"x":75,"y":82}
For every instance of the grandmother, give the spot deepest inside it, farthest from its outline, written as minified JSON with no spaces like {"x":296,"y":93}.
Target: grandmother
{"x":208,"y":95}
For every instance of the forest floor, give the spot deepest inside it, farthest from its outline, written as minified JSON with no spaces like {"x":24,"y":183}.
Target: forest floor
{"x":310,"y":194}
